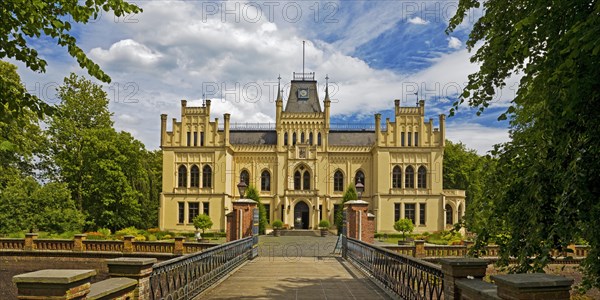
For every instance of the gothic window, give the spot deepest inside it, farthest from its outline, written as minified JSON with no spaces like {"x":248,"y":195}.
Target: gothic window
{"x":285,"y":138}
{"x":207,"y":176}
{"x":319,"y":139}
{"x":310,"y":138}
{"x":449,"y":220}
{"x":297,"y":179}
{"x":397,"y":177}
{"x":422,"y":178}
{"x":306,"y":181}
{"x":182,"y":176}
{"x":195,"y":176}
{"x":302,"y":137}
{"x":359,"y":175}
{"x":265,"y":181}
{"x":245,"y":177}
{"x":409,"y":177}
{"x":294,"y":139}
{"x":338,"y":181}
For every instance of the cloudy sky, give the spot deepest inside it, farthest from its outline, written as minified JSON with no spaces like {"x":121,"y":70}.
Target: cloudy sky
{"x":233,"y":52}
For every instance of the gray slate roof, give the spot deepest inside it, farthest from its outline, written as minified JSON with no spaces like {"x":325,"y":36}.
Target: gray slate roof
{"x":310,"y":105}
{"x":253,"y":137}
{"x":336,"y":138}
{"x":352,"y":138}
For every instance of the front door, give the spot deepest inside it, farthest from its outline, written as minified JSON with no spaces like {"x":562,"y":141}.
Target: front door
{"x":301,"y":215}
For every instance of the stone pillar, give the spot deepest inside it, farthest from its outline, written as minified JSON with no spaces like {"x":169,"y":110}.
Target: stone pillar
{"x":419,"y":248}
{"x":239,"y":221}
{"x":455,"y":269}
{"x":533,"y":286}
{"x":78,"y":242}
{"x":54,"y":284}
{"x":358,"y":224}
{"x":178,"y":248}
{"x":30,"y":241}
{"x":128,"y":243}
{"x":135,"y":268}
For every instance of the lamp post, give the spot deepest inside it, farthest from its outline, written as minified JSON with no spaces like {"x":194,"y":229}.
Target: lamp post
{"x":360,"y":188}
{"x":242,"y":188}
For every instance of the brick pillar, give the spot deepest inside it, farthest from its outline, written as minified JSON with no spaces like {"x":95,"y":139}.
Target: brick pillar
{"x":78,"y":242}
{"x":128,"y":243}
{"x":533,"y":286}
{"x":178,"y":248}
{"x":455,"y":269}
{"x":359,"y":226}
{"x":54,"y":284}
{"x":135,"y":268}
{"x":30,"y":241}
{"x":243,"y":209}
{"x":419,"y":248}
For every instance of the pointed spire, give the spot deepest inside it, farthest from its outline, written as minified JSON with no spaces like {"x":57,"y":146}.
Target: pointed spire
{"x":279,"y":89}
{"x":327,"y":88}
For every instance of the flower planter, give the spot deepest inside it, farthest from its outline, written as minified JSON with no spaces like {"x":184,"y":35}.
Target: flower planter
{"x":324,"y":232}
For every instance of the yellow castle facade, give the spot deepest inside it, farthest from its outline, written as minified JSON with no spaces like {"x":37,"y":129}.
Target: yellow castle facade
{"x":302,"y":164}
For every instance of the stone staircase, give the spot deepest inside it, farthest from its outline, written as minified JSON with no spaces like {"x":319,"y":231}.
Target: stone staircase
{"x":300,"y":232}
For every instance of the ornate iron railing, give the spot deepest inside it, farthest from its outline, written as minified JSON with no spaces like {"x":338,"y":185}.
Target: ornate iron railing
{"x":304,"y":76}
{"x":249,"y":126}
{"x":187,"y":276}
{"x":407,"y":277}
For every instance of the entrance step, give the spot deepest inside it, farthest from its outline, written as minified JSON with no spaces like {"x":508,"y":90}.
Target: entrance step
{"x":300,"y":232}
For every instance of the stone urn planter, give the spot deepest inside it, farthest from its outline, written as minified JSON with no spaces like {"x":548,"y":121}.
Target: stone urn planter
{"x":277,"y":225}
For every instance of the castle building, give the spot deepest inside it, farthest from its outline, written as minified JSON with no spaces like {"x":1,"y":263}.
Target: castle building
{"x":303,"y":163}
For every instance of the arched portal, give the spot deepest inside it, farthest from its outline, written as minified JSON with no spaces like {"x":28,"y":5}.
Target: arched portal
{"x":301,"y":216}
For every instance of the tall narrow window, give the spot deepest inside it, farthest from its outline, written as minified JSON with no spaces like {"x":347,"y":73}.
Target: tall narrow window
{"x":396,"y":212}
{"x":206,"y":208}
{"x":422,"y":214}
{"x":302,"y":137}
{"x":245,"y":177}
{"x":297,"y":179}
{"x":195,"y":176}
{"x":397,"y":177}
{"x":409,"y":177}
{"x":320,"y":212}
{"x":189,"y":138}
{"x":359,"y":176}
{"x":449,"y":214}
{"x":310,"y":138}
{"x":410,"y":139}
{"x":285,"y":138}
{"x":409,"y":212}
{"x":338,"y":181}
{"x":193,"y":211}
{"x":294,"y":139}
{"x":402,"y":139}
{"x":195,"y":138}
{"x":416,"y":139}
{"x":265,"y":181}
{"x":206,"y":176}
{"x":181,"y":212}
{"x":201,"y":138}
{"x":182,"y":176}
{"x":422,"y":178}
{"x":306,"y":181}
{"x":319,"y":139}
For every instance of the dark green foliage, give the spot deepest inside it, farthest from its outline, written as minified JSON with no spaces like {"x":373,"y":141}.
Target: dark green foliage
{"x":545,"y":190}
{"x":252,"y":193}
{"x":277,"y":224}
{"x":349,"y":194}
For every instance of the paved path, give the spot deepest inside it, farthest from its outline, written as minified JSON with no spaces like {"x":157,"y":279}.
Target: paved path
{"x":307,"y":272}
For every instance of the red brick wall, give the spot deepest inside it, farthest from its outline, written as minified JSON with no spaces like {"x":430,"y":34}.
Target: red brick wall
{"x":368,"y":223}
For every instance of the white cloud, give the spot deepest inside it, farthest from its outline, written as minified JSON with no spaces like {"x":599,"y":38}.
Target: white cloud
{"x":417,"y":21}
{"x":476,"y":136}
{"x":454,"y":43}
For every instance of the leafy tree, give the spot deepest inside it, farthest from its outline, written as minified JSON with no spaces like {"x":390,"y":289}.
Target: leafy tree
{"x":202,"y":222}
{"x":252,"y":193}
{"x":404,"y":226}
{"x":349,"y":194}
{"x":547,"y":184}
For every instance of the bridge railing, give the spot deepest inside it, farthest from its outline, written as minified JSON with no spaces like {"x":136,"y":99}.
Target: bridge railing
{"x":187,"y":276}
{"x":404,"y":276}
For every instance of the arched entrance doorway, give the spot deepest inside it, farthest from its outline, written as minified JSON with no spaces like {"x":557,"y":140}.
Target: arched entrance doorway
{"x":301,"y":215}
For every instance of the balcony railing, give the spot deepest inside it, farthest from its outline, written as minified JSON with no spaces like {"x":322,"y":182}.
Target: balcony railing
{"x":304,"y":76}
{"x":249,"y":126}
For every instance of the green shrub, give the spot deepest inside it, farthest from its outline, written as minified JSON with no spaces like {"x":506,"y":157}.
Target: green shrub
{"x":277,"y":224}
{"x":202,"y":222}
{"x":324,"y":224}
{"x":94,"y":235}
{"x":404,"y":226}
{"x":166,"y":237}
{"x":105,"y":231}
{"x":128,"y":231}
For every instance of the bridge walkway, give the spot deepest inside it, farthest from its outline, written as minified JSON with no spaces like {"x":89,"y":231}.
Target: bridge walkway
{"x":296,"y":268}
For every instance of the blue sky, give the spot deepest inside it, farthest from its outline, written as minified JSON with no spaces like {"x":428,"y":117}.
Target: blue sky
{"x":373,"y":51}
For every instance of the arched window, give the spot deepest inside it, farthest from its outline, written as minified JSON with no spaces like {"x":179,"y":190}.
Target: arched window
{"x":319,"y":139}
{"x":306,"y":181}
{"x":207,"y":176}
{"x":422,"y":178}
{"x":294,"y":139}
{"x":302,"y":137}
{"x":459,"y":210}
{"x":245,"y":177}
{"x":397,"y":177}
{"x":195,"y":176}
{"x":449,"y":214}
{"x":297,"y":178}
{"x":265,"y":181}
{"x":338,"y":181}
{"x":409,"y":177}
{"x":359,"y":175}
{"x":182,"y":176}
{"x":310,"y":138}
{"x":285,"y":138}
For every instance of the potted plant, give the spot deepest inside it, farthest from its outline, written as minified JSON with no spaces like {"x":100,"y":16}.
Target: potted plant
{"x":277,"y":225}
{"x":404,"y":226}
{"x":202,"y":222}
{"x":324,"y":226}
